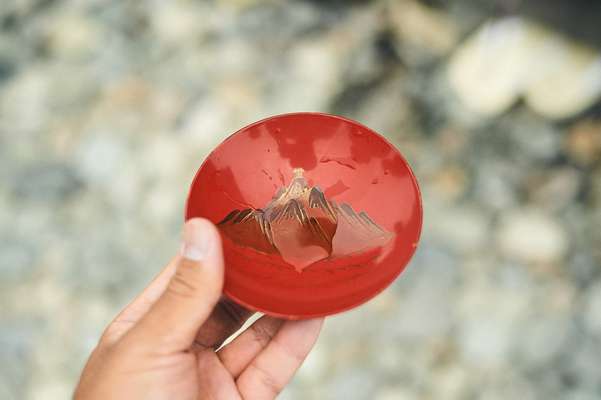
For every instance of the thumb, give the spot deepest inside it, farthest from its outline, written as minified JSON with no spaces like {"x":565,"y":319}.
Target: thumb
{"x":173,"y":321}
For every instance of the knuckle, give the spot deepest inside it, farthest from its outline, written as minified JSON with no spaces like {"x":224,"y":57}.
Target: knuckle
{"x":101,"y":350}
{"x":289,"y":351}
{"x":114,"y":331}
{"x":106,"y":340}
{"x":267,"y":380}
{"x":185,"y":282}
{"x":109,"y":337}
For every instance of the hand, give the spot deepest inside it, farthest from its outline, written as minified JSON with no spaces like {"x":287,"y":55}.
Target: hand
{"x":163,"y":345}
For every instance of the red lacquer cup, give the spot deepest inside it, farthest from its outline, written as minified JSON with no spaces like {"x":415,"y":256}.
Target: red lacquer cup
{"x":317,"y":213}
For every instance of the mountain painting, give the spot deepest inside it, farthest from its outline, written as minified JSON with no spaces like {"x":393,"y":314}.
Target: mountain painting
{"x":304,"y":227}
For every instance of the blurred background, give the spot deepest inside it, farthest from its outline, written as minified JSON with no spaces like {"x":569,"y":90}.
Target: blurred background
{"x":107,"y":108}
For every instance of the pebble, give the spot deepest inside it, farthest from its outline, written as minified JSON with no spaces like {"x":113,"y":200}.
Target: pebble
{"x":495,"y":185}
{"x":580,"y":395}
{"x":176,"y":21}
{"x":424,"y":28}
{"x":541,"y":340}
{"x":351,"y":383}
{"x":16,"y":344}
{"x":74,"y":36}
{"x":541,"y":141}
{"x":17,"y":260}
{"x":592,"y":309}
{"x":395,"y":393}
{"x":30,"y":87}
{"x":485,"y":341}
{"x":304,"y":89}
{"x":487,"y":71}
{"x":557,"y":189}
{"x":514,"y":57}
{"x":51,"y":389}
{"x":101,"y":157}
{"x":532,"y":236}
{"x":463,"y":228}
{"x":583,"y":142}
{"x":49,"y":182}
{"x":569,"y":69}
{"x":580,"y":364}
{"x":450,"y":182}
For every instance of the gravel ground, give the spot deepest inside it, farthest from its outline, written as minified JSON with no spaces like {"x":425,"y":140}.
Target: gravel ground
{"x":107,"y":108}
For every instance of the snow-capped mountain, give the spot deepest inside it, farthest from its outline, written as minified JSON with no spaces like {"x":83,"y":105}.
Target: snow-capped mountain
{"x":301,"y":225}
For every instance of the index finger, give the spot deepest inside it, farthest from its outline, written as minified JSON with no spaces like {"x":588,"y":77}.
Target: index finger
{"x":226,"y":318}
{"x":140,"y":305}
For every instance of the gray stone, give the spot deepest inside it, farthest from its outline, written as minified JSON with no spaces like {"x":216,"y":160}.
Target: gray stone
{"x":465,"y":229}
{"x":592,"y":309}
{"x":532,"y":236}
{"x":46,"y":182}
{"x":541,"y":340}
{"x":16,"y":341}
{"x":580,"y":367}
{"x":354,"y":382}
{"x":17,"y":260}
{"x":511,"y":55}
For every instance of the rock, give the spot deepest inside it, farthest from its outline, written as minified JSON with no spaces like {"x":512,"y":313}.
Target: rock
{"x":485,"y":342}
{"x":557,"y":189}
{"x":424,"y":28}
{"x":450,"y":181}
{"x":592,"y":309}
{"x":541,"y":340}
{"x":382,"y":108}
{"x":101,"y":157}
{"x":495,"y":184}
{"x":293,"y":21}
{"x":73,"y":35}
{"x":160,"y":204}
{"x":528,"y":235}
{"x":423,"y":298}
{"x":583,"y":142}
{"x":51,"y":389}
{"x":539,"y":140}
{"x":491,"y":311}
{"x":583,"y":267}
{"x":579,"y":366}
{"x":7,"y":69}
{"x":30,"y":87}
{"x":48,"y":182}
{"x":568,"y":79}
{"x":16,"y":260}
{"x":512,"y":57}
{"x":580,"y":394}
{"x":352,"y":383}
{"x":509,"y":386}
{"x":462,"y":228}
{"x":304,"y":89}
{"x":395,"y":393}
{"x":452,"y":382}
{"x":487,"y":71}
{"x":16,"y":342}
{"x":177,"y":21}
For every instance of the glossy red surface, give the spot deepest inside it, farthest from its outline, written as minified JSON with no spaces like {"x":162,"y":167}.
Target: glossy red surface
{"x":318,"y":213}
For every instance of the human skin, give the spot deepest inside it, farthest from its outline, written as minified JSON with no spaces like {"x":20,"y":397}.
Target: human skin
{"x":163,"y":345}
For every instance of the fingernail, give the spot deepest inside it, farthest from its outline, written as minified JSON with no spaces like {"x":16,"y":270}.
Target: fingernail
{"x":197,"y":239}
